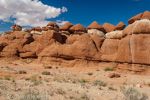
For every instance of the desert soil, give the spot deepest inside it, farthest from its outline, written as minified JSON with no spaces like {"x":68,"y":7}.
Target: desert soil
{"x":23,"y":80}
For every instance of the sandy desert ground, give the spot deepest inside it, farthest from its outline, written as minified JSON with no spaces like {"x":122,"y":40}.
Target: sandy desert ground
{"x":27,"y":79}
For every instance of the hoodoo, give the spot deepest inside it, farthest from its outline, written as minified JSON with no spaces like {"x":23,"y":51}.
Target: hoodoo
{"x":64,"y":29}
{"x":120,"y":26}
{"x":108,"y":27}
{"x":52,"y":26}
{"x":96,"y":29}
{"x":145,"y":15}
{"x":36,"y":30}
{"x":16,"y":28}
{"x":78,"y":29}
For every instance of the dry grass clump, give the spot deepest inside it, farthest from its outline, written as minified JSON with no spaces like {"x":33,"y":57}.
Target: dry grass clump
{"x":132,"y":94}
{"x":99,"y":83}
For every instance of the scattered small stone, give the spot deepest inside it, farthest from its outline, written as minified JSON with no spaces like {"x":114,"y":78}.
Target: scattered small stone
{"x":22,"y":72}
{"x":31,"y":85}
{"x":18,"y":89}
{"x":114,"y":75}
{"x":139,"y":86}
{"x":15,"y":64}
{"x":48,"y":67}
{"x":9,"y":63}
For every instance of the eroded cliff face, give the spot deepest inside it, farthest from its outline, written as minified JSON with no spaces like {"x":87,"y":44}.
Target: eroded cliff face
{"x":133,"y":48}
{"x":131,"y":45}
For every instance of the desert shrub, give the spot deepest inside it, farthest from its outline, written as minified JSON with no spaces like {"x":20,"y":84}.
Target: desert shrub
{"x":56,"y":67}
{"x":7,"y":77}
{"x":83,"y":81}
{"x":60,"y":91}
{"x":109,"y":69}
{"x":84,"y":96}
{"x":45,"y":73}
{"x":46,"y":80}
{"x":100,"y":88}
{"x":31,"y":95}
{"x":71,"y":97}
{"x":35,"y":81}
{"x":112,"y":89}
{"x":99,"y":83}
{"x":3,"y":88}
{"x":74,"y":81}
{"x":26,"y":61}
{"x":132,"y":94}
{"x":90,"y":74}
{"x":7,"y":67}
{"x":57,"y":80}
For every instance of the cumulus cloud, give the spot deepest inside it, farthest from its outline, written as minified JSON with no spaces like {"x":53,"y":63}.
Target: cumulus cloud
{"x":60,"y":23}
{"x":28,"y":12}
{"x":64,"y":9}
{"x":1,"y":32}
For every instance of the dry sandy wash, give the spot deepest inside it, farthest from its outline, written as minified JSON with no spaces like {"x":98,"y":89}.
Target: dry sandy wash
{"x":28,"y":79}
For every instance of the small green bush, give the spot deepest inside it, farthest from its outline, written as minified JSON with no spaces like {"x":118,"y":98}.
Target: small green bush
{"x":109,"y":69}
{"x":45,"y":73}
{"x":90,"y":74}
{"x":112,"y":89}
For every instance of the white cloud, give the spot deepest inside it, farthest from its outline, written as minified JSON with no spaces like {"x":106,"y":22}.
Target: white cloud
{"x":1,"y":32}
{"x":60,"y":23}
{"x":64,"y":9}
{"x":28,"y":12}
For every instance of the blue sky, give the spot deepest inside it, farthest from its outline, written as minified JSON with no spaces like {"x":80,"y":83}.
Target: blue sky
{"x":76,"y":11}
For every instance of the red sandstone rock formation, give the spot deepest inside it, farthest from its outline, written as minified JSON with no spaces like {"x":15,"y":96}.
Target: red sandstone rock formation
{"x":109,"y":49}
{"x":96,"y":29}
{"x":108,"y":27}
{"x":40,"y":42}
{"x":65,"y":28}
{"x":36,"y":30}
{"x":52,"y":26}
{"x":133,"y":19}
{"x":145,"y":15}
{"x":71,"y":39}
{"x":77,"y":50}
{"x":128,"y":46}
{"x":44,"y":29}
{"x":78,"y":29}
{"x":96,"y":25}
{"x":7,"y":32}
{"x":14,"y":43}
{"x":16,"y":28}
{"x":120,"y":26}
{"x":138,"y":42}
